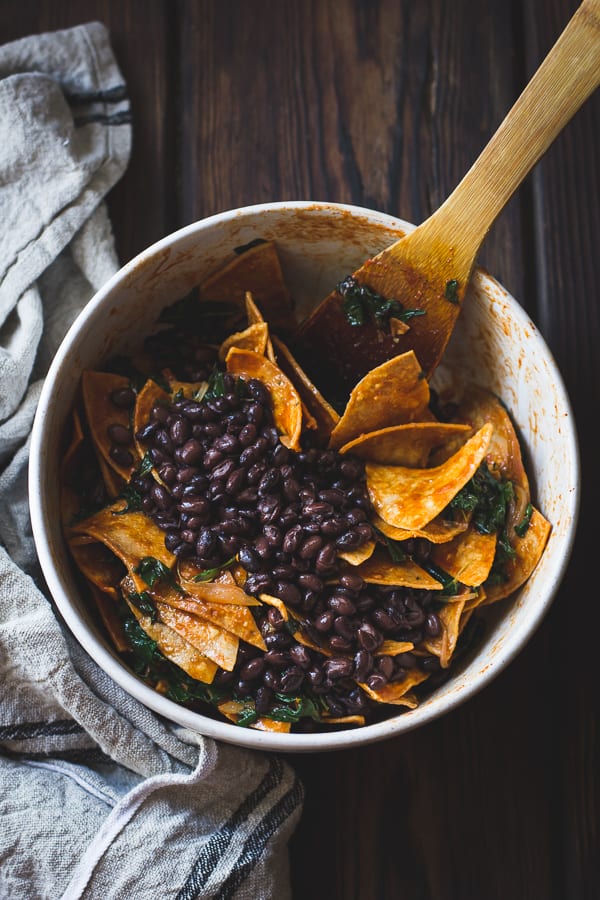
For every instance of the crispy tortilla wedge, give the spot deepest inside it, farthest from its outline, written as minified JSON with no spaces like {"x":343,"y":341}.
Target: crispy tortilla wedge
{"x":100,"y":413}
{"x":411,"y":498}
{"x":467,"y":557}
{"x":405,"y":445}
{"x":130,"y":535}
{"x":528,"y":549}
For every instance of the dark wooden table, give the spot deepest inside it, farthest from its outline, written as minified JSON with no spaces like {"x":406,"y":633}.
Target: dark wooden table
{"x":385,"y":104}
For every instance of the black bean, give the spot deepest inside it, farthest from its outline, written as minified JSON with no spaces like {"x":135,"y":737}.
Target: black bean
{"x":310,"y":547}
{"x":168,"y":473}
{"x":273,"y":535}
{"x":356,"y":516}
{"x":432,"y":625}
{"x":315,"y":675}
{"x":377,"y":681}
{"x":383,"y":620}
{"x":121,"y":456}
{"x":293,"y":538}
{"x":326,"y":558}
{"x":349,"y":540}
{"x":363,"y":663}
{"x":199,"y":506}
{"x":288,"y":592}
{"x":271,"y":679}
{"x":278,"y":658}
{"x":368,"y":637}
{"x":339,"y":644}
{"x":180,"y":431}
{"x":332,"y":527}
{"x":255,"y":413}
{"x":337,"y":668}
{"x":145,"y":433}
{"x":191,"y":452}
{"x":182,"y":550}
{"x":161,"y":496}
{"x":263,"y":699}
{"x":233,"y":526}
{"x":352,"y":582}
{"x":262,"y":547}
{"x":324,"y":622}
{"x":172,"y":539}
{"x":317,"y":509}
{"x":253,"y":668}
{"x":291,"y":679}
{"x":291,"y":489}
{"x":341,"y":605}
{"x":311,"y":582}
{"x":227,"y":444}
{"x":206,"y":543}
{"x":124,"y":398}
{"x":269,"y":481}
{"x":119,"y":434}
{"x":343,"y":626}
{"x":300,"y":655}
{"x":250,"y":559}
{"x":159,"y":413}
{"x":187,"y":474}
{"x":283,"y":571}
{"x":222,"y":471}
{"x":258,"y":584}
{"x":247,"y":435}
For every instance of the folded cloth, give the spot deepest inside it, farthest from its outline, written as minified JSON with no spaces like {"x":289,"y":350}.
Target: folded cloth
{"x":99,"y":797}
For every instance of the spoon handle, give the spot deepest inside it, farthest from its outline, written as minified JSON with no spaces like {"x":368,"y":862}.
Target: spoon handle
{"x":564,"y":80}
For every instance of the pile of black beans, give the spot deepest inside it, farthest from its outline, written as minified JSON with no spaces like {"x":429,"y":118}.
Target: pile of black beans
{"x":231,"y":489}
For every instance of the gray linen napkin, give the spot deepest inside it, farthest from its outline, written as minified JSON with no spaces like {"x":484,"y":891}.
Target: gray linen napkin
{"x":99,"y":797}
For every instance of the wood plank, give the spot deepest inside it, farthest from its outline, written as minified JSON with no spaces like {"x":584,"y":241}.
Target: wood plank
{"x":143,"y":204}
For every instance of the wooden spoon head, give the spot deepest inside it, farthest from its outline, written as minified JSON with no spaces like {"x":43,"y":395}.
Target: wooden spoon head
{"x":342,"y":353}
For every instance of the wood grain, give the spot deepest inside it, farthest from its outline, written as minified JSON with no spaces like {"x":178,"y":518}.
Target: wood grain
{"x":386,"y":103}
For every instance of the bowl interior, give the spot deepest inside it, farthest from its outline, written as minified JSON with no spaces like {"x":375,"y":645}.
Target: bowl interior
{"x":494,"y":344}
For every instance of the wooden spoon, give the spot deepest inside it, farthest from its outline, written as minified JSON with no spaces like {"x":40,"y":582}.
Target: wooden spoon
{"x":430,"y":268}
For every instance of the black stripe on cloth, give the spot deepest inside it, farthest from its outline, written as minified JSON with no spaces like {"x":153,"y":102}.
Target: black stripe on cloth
{"x":28,"y":730}
{"x":255,"y":845}
{"x":214,"y":849}
{"x":120,"y":118}
{"x":110,"y":95}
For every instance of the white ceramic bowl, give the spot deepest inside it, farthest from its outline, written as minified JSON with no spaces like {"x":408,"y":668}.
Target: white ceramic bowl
{"x":494,"y":344}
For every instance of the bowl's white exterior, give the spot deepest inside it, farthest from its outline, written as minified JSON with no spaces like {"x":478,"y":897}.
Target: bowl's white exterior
{"x":494,"y":344}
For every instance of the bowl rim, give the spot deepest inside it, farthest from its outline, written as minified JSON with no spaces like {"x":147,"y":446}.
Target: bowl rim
{"x":116,"y":668}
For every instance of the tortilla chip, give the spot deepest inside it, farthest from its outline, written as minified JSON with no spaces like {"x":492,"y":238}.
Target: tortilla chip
{"x":411,"y":498}
{"x":101,"y":413}
{"x":229,"y":616}
{"x":287,"y":408}
{"x":112,"y":481}
{"x":277,"y":603}
{"x":255,"y":317}
{"x":99,"y":565}
{"x":258,"y":270}
{"x":444,"y":644}
{"x":111,"y":620}
{"x":404,"y":445}
{"x":394,"y":393}
{"x":191,"y":390}
{"x":150,"y":395}
{"x":356,"y":557}
{"x":396,"y":692}
{"x":394,"y":648}
{"x":231,"y":709}
{"x":215,"y":591}
{"x":176,"y":648}
{"x":467,"y":557}
{"x":438,"y":531}
{"x":344,"y":720}
{"x":398,"y":327}
{"x":379,"y":569}
{"x":325,"y":416}
{"x":131,"y":536}
{"x":254,"y":338}
{"x":528,"y":551}
{"x":213,"y":642}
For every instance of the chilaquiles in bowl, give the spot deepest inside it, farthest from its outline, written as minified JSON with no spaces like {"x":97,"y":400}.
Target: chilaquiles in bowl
{"x":280,"y":551}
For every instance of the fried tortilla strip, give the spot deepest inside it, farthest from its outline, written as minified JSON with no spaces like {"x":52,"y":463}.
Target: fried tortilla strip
{"x":191,"y":390}
{"x":213,"y":642}
{"x":231,"y":709}
{"x":112,"y":482}
{"x":229,"y":616}
{"x":255,"y":317}
{"x":325,"y":416}
{"x":100,"y":413}
{"x":438,"y":531}
{"x":356,"y":557}
{"x":394,"y":648}
{"x":150,"y":395}
{"x":344,"y":720}
{"x":99,"y":565}
{"x":396,"y":692}
{"x":258,"y":270}
{"x":379,"y":569}
{"x":528,"y":549}
{"x":444,"y":644}
{"x":107,"y":610}
{"x":394,"y":393}
{"x":411,"y":498}
{"x":215,"y":591}
{"x":176,"y":648}
{"x":130,"y":535}
{"x":254,"y":338}
{"x":287,"y":407}
{"x":277,"y":603}
{"x":504,"y":459}
{"x":405,"y":445}
{"x":467,"y":557}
